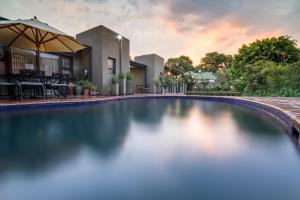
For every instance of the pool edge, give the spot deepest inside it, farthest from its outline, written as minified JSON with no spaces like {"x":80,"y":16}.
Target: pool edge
{"x":281,"y":115}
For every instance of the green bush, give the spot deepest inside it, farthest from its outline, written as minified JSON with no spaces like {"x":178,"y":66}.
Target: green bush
{"x":129,"y":76}
{"x":121,"y":76}
{"x":292,"y":75}
{"x":79,"y":82}
{"x":213,"y":93}
{"x":86,"y":84}
{"x":114,"y":79}
{"x":288,"y":92}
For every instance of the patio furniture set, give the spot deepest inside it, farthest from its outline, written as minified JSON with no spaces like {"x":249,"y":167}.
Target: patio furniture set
{"x":35,"y":84}
{"x":142,"y":89}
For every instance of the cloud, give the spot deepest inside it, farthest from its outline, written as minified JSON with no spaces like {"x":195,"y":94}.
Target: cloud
{"x":256,"y":15}
{"x":168,"y":27}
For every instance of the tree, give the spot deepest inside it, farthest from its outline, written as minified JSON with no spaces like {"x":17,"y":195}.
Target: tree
{"x":222,"y":77}
{"x":275,"y":77}
{"x":215,"y":61}
{"x":292,"y":75}
{"x":280,"y":50}
{"x":183,"y":63}
{"x":255,"y":77}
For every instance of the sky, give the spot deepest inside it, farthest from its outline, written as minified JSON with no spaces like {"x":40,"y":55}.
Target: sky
{"x":169,"y":28}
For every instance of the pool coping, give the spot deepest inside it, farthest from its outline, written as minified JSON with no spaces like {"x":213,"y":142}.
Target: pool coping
{"x":291,"y":122}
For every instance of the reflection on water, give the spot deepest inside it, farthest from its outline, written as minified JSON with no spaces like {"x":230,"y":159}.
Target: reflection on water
{"x":146,"y":149}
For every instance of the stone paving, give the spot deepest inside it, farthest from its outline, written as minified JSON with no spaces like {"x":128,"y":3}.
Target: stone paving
{"x":289,"y":106}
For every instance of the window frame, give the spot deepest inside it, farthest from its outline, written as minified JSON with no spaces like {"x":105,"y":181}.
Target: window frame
{"x":113,"y":70}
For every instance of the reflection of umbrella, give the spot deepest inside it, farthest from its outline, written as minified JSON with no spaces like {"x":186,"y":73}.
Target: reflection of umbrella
{"x":35,"y":35}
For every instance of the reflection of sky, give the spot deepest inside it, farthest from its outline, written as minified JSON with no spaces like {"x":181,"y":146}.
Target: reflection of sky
{"x":196,"y":151}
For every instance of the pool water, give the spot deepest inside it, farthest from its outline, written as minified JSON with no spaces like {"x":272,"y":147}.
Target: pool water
{"x":146,"y":149}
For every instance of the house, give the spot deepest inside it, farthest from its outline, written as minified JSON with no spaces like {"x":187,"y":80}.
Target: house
{"x":107,"y":54}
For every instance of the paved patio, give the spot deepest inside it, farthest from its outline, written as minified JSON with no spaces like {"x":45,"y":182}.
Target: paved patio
{"x":289,"y":106}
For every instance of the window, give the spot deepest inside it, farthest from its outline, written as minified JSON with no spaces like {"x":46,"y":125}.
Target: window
{"x":22,"y":59}
{"x":111,"y":66}
{"x":66,"y":65}
{"x":49,"y":63}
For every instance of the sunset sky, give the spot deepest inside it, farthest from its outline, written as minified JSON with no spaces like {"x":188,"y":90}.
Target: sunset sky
{"x":169,"y":28}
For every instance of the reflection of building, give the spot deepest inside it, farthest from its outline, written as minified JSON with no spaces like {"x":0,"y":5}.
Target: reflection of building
{"x":107,"y":54}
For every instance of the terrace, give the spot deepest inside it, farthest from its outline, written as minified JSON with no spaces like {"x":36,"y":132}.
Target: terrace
{"x":36,"y":60}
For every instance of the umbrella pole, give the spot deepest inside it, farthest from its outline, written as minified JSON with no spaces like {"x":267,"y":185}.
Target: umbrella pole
{"x":38,"y":51}
{"x":38,"y":59}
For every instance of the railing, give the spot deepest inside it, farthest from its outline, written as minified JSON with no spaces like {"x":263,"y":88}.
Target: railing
{"x":156,"y":89}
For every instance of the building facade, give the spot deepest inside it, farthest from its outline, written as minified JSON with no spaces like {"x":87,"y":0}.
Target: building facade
{"x":108,"y":55}
{"x":154,"y":68}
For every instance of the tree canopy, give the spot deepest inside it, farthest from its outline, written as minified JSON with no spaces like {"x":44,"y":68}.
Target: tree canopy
{"x":214,"y":61}
{"x":281,"y":50}
{"x":183,"y":63}
{"x":269,"y":67}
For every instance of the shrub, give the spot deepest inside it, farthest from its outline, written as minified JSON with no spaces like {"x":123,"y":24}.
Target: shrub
{"x":86,"y":84}
{"x":288,"y":92}
{"x":292,"y":75}
{"x":213,"y":93}
{"x":129,"y":76}
{"x":114,"y":79}
{"x":121,"y":76}
{"x":79,"y":82}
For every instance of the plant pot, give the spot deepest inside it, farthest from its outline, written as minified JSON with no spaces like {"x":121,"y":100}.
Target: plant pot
{"x":129,"y":87}
{"x":78,"y":90}
{"x":122,"y":86}
{"x":163,"y":90}
{"x":93,"y":93}
{"x":71,"y":90}
{"x":115,"y":89}
{"x":86,"y":92}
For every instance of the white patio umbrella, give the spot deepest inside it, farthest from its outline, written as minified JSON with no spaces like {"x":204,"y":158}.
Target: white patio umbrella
{"x":38,"y":36}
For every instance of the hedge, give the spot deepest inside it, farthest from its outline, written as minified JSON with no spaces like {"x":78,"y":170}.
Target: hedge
{"x":213,"y":93}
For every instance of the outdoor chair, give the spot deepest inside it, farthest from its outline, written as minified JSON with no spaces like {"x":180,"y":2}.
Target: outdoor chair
{"x":6,"y":83}
{"x":58,"y":83}
{"x":32,"y":81}
{"x":146,"y":89}
{"x":142,"y":89}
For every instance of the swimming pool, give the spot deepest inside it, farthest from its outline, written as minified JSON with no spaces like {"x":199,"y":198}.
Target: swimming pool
{"x":149,"y":148}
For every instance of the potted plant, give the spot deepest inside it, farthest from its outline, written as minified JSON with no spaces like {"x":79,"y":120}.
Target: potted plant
{"x":129,"y":83}
{"x":115,"y":85}
{"x":122,"y":84}
{"x":71,"y":87}
{"x":87,"y":87}
{"x":93,"y":90}
{"x":78,"y":87}
{"x":156,"y":86}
